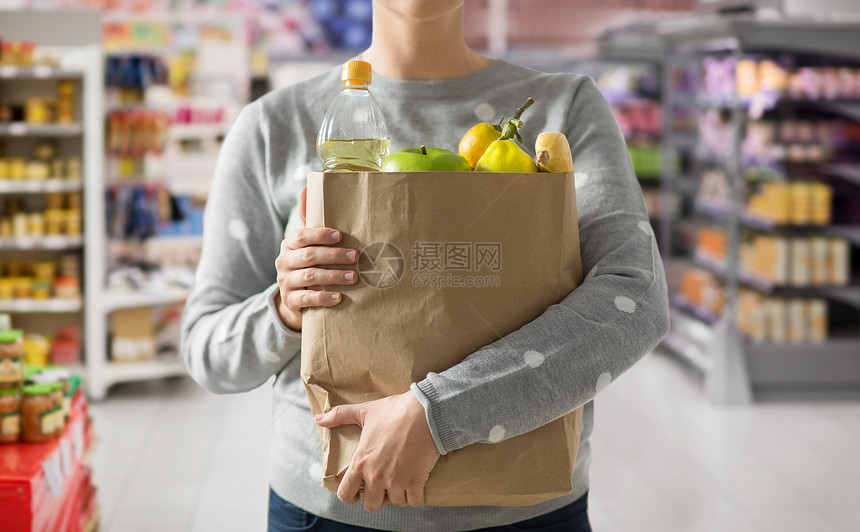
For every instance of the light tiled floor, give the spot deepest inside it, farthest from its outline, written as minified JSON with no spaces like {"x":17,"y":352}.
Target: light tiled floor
{"x":172,"y":457}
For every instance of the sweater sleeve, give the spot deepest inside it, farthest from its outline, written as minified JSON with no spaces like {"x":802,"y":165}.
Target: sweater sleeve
{"x":564,"y":357}
{"x":233,"y":339}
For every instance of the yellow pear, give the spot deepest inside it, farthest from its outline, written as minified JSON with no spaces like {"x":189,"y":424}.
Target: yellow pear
{"x":553,"y":153}
{"x":504,"y":155}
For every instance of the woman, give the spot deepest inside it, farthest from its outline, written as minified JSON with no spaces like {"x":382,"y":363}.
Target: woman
{"x":243,"y":319}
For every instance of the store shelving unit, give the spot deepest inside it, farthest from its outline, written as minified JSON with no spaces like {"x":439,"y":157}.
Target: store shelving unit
{"x":737,"y":370}
{"x":78,"y":34}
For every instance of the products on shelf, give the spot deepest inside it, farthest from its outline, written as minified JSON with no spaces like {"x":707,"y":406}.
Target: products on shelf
{"x":770,"y":202}
{"x":782,"y":261}
{"x":641,"y":117}
{"x":130,"y":75}
{"x":755,"y":77}
{"x":18,"y":54}
{"x":11,"y":358}
{"x":791,"y":203}
{"x":136,"y":133}
{"x":45,"y":164}
{"x":10,"y":415}
{"x":760,"y":318}
{"x":701,"y":289}
{"x":37,"y":280}
{"x":767,"y":142}
{"x":779,"y":260}
{"x":55,"y":214}
{"x":782,"y":320}
{"x":39,"y":110}
{"x":35,"y":401}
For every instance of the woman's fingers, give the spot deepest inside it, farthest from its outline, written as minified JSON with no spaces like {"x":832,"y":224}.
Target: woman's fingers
{"x":299,"y":299}
{"x":312,"y":236}
{"x":308,"y":277}
{"x":319,"y":255}
{"x":348,"y":491}
{"x":374,"y":498}
{"x":397,"y":497}
{"x":415,"y":496}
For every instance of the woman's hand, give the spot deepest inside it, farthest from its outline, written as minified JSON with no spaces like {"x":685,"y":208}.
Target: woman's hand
{"x":395,"y":453}
{"x":301,"y":253}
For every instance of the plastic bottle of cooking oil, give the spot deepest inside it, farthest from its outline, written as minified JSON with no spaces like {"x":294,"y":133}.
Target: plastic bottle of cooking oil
{"x":353,"y":136}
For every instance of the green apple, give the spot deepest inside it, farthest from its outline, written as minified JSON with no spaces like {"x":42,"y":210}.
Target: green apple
{"x":425,"y":160}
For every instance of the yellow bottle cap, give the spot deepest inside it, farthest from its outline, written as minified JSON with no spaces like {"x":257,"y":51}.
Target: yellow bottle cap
{"x":356,"y":71}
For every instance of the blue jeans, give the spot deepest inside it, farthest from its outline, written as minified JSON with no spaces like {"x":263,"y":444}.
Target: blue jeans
{"x":287,"y":517}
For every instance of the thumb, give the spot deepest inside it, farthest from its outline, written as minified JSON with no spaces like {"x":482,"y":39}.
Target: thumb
{"x":341,"y":415}
{"x":303,"y":204}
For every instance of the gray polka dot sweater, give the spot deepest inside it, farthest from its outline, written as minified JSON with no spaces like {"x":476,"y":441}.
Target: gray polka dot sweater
{"x":233,"y":339}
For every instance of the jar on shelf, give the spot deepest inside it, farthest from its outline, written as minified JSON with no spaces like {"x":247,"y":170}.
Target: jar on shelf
{"x":23,"y":287}
{"x":5,"y":227}
{"x":11,"y":358}
{"x":57,"y":168}
{"x":10,"y":415}
{"x":41,"y":289}
{"x":7,"y":288}
{"x":50,"y":379}
{"x":54,"y":222}
{"x":27,"y":54}
{"x":73,"y":222}
{"x":37,"y":170}
{"x":20,"y":223}
{"x":73,"y":169}
{"x":17,"y":168}
{"x":67,"y":287}
{"x":63,"y":376}
{"x":36,"y":224}
{"x":37,"y":413}
{"x":37,"y":352}
{"x":37,"y":111}
{"x":4,"y":168}
{"x":44,"y":270}
{"x":7,"y":54}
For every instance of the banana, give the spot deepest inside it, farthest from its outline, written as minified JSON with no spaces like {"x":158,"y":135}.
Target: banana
{"x":553,"y":153}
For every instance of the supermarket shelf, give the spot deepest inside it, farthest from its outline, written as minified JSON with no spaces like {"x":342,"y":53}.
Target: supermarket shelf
{"x":20,"y":129}
{"x":158,"y":368}
{"x":43,"y":242}
{"x":848,"y":294}
{"x":705,"y":316}
{"x":828,"y":370}
{"x":116,"y":300}
{"x":38,"y":72}
{"x":33,"y":186}
{"x":720,"y":213}
{"x":41,"y":305}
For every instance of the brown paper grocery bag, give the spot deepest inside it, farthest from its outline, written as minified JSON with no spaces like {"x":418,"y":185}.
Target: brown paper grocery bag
{"x":450,"y":262}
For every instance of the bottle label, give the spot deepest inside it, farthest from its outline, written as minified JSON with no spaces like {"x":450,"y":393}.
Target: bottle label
{"x":11,"y":423}
{"x":47,"y":422}
{"x":10,"y":369}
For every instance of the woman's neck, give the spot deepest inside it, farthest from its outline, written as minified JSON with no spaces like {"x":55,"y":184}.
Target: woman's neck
{"x":413,"y":50}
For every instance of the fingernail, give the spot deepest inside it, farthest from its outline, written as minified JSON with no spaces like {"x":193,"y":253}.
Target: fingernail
{"x":350,"y":255}
{"x":349,"y":276}
{"x":334,"y":236}
{"x":318,"y":417}
{"x":335,"y":296}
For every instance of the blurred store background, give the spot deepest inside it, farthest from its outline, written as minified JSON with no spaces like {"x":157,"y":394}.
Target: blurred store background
{"x":742,"y":119}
